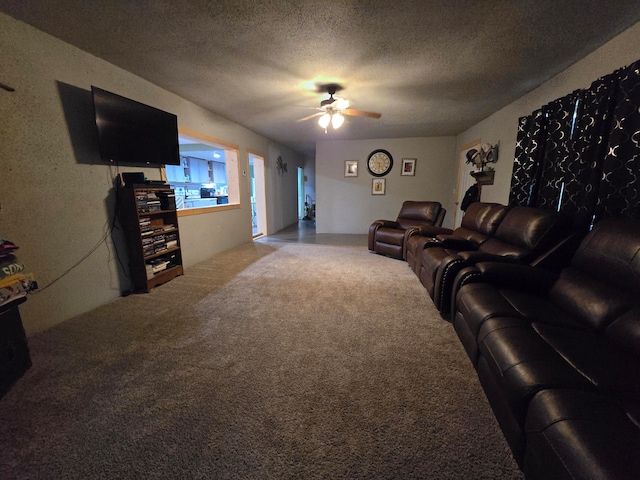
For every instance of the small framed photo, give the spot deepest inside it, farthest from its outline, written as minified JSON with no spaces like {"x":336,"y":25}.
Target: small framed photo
{"x":378,"y":186}
{"x":351,"y":168}
{"x":408,"y":166}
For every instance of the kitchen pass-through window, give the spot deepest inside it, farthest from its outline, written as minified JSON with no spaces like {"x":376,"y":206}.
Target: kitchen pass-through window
{"x":208,"y":174}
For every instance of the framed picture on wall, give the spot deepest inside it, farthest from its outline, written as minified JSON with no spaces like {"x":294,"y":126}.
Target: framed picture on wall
{"x":378,"y":186}
{"x":408,"y":167}
{"x":351,"y":168}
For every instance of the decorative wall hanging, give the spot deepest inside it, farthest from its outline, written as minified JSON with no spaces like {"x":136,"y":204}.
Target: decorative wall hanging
{"x":480,"y":157}
{"x":378,"y":186}
{"x":408,"y":167}
{"x":351,"y":168}
{"x":280,"y":165}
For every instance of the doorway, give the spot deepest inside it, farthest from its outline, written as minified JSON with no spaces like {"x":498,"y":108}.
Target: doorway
{"x":301,"y":204}
{"x":258,"y":195}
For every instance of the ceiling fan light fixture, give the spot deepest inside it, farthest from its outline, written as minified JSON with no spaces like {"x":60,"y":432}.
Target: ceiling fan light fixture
{"x":333,"y":110}
{"x":324,"y":120}
{"x":341,"y":104}
{"x":337,"y":120}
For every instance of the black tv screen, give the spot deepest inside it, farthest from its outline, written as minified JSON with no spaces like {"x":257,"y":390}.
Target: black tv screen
{"x":133,"y":133}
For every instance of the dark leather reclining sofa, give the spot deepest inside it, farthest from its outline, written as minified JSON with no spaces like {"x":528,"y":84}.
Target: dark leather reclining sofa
{"x":488,"y":232}
{"x":479,"y":223}
{"x":558,"y":355}
{"x":535,"y":236}
{"x":389,"y":237}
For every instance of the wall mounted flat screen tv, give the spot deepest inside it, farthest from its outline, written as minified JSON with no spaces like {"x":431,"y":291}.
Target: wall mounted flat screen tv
{"x":132,"y":133}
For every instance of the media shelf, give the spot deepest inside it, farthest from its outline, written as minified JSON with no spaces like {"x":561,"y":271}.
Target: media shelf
{"x":151,"y":225}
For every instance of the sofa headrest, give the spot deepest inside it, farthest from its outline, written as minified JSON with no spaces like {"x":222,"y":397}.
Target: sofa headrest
{"x":483,"y":217}
{"x":611,"y":254}
{"x":419,"y":211}
{"x":625,"y":331}
{"x":533,"y":229}
{"x":595,"y":304}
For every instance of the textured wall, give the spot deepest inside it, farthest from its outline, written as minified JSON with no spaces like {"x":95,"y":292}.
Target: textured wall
{"x":58,"y":203}
{"x":345,"y":204}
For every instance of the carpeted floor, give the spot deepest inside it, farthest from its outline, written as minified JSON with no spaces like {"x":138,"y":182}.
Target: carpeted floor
{"x":273,"y":360}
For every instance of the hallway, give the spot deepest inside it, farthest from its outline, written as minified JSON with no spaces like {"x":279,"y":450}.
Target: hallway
{"x":305,"y":232}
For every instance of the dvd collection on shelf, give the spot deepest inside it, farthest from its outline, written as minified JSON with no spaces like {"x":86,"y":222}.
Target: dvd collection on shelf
{"x":147,"y":201}
{"x":150,"y":220}
{"x":157,"y":237}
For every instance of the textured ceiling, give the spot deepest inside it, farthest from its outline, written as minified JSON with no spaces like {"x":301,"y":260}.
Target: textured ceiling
{"x":430,"y":67}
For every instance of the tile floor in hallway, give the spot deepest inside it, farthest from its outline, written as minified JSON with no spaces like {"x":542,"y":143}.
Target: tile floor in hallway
{"x":305,"y":232}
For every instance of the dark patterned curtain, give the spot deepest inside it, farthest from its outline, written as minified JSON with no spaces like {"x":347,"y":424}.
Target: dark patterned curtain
{"x":581,"y":154}
{"x":528,"y":158}
{"x":560,"y":115}
{"x":618,"y":194}
{"x":587,"y":151}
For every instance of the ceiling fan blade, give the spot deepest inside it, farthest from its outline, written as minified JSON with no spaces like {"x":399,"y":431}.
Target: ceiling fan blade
{"x":361,"y":113}
{"x":310,"y":116}
{"x":328,"y":101}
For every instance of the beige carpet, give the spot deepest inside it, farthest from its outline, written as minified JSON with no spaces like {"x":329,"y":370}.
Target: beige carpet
{"x":269,"y":361}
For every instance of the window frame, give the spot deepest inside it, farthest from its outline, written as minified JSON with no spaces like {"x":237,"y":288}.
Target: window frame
{"x":206,"y":139}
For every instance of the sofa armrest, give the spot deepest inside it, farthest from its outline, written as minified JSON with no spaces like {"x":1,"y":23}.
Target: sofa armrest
{"x":472,"y":258}
{"x":455,"y":242}
{"x":373,"y":228}
{"x":387,"y":223}
{"x":428,"y":231}
{"x":463,"y":277}
{"x":517,"y":276}
{"x":559,"y":256}
{"x":431,"y":231}
{"x":462,"y":270}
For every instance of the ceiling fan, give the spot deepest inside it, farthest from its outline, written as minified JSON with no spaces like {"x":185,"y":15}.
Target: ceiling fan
{"x":333,"y":109}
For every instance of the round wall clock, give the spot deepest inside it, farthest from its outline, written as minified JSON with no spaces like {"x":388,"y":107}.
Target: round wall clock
{"x":379,"y":163}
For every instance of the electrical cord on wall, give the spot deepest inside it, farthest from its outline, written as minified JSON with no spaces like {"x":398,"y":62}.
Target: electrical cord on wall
{"x":66,"y":272}
{"x":110,"y":225}
{"x":115,"y":218}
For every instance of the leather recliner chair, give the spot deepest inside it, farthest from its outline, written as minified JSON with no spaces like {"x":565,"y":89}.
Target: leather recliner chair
{"x":479,"y":223}
{"x":526,"y":234}
{"x":387,"y":237}
{"x":558,"y":355}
